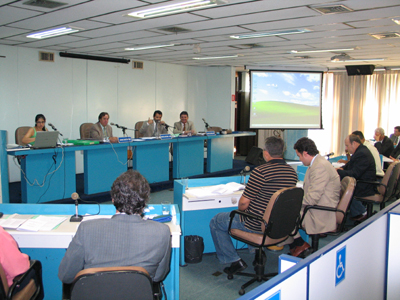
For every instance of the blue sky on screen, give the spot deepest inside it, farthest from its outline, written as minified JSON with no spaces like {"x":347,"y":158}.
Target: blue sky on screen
{"x":299,"y":88}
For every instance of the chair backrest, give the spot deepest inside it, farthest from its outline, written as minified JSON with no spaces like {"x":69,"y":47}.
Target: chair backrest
{"x":392,"y":182}
{"x":389,"y":181}
{"x":347,"y":187}
{"x":112,"y":283}
{"x":283,"y":212}
{"x":396,"y":173}
{"x":214,"y":128}
{"x":29,"y":285}
{"x":3,"y":283}
{"x":84,"y":130}
{"x":20,"y":133}
{"x":138,"y":125}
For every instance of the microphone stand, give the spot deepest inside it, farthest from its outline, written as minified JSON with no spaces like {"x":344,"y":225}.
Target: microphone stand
{"x":76,"y":217}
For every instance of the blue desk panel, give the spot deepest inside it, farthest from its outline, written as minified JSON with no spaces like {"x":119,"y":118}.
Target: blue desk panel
{"x":188,"y":157}
{"x":51,"y":257}
{"x":151,"y":159}
{"x":197,"y":222}
{"x":102,"y":165}
{"x":41,"y":183}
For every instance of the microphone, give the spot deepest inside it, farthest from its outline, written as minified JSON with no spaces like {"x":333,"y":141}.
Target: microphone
{"x":54,"y":128}
{"x":76,"y":217}
{"x":168,"y":126}
{"x":245,"y":170}
{"x":205,"y":122}
{"x":118,"y":126}
{"x":330,"y":154}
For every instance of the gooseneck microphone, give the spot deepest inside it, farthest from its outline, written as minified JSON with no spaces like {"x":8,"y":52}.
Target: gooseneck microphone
{"x":118,"y":126}
{"x":168,"y":126}
{"x":329,"y":154}
{"x":76,"y":217}
{"x":245,"y":170}
{"x":54,"y":128}
{"x":205,"y":123}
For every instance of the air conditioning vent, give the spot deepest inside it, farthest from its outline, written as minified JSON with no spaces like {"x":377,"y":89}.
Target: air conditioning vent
{"x":173,"y":29}
{"x":331,"y":9}
{"x":44,"y":3}
{"x":46,"y":56}
{"x":385,"y":35}
{"x":137,"y":65}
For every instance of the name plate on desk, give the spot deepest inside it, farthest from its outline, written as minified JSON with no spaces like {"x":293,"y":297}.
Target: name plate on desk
{"x":126,"y":139}
{"x":165,"y":136}
{"x":210,"y":133}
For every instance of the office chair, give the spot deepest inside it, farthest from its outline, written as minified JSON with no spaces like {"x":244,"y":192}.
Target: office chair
{"x":138,"y":125}
{"x":385,"y":190}
{"x":347,"y":187}
{"x":27,"y":286}
{"x":84,"y":130}
{"x":113,"y":283}
{"x":281,"y":219}
{"x":20,"y":132}
{"x":396,"y":174}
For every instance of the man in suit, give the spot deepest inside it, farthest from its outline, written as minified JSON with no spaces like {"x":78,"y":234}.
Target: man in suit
{"x":101,"y":130}
{"x":184,"y":126}
{"x":395,"y":137}
{"x":155,"y":126}
{"x":362,"y":167}
{"x":383,"y":143}
{"x":321,"y":187}
{"x":125,"y":239}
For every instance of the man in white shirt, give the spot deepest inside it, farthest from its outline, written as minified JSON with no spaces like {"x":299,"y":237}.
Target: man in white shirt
{"x":155,"y":126}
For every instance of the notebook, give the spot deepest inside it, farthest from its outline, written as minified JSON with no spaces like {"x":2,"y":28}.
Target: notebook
{"x":45,"y":139}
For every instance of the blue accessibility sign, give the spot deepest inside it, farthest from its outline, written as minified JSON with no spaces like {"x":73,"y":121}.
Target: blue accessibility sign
{"x":340,"y":272}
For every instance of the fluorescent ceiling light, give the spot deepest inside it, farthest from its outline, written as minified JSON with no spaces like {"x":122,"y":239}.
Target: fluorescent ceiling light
{"x":172,"y":8}
{"x":326,"y":50}
{"x":148,"y":47}
{"x":272,"y":33}
{"x":52,"y":33}
{"x":397,"y":21}
{"x":358,"y":60}
{"x":215,"y":57}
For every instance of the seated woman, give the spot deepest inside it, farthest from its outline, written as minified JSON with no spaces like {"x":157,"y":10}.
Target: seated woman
{"x":30,"y":136}
{"x":11,"y":259}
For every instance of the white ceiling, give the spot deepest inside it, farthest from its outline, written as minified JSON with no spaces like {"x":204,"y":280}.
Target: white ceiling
{"x":106,"y":32}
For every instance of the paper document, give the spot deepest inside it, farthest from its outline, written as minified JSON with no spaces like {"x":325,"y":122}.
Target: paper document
{"x":14,"y":221}
{"x":42,"y":223}
{"x":221,"y":189}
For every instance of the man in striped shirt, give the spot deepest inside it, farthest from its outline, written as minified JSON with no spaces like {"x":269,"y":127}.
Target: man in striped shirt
{"x":264,"y":181}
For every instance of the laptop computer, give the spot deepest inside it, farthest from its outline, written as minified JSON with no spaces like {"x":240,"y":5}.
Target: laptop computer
{"x":45,"y":139}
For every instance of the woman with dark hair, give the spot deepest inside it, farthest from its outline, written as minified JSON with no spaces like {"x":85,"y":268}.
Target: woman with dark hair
{"x":30,"y":136}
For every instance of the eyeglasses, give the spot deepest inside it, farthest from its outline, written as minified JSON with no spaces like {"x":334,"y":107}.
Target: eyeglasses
{"x":40,"y":122}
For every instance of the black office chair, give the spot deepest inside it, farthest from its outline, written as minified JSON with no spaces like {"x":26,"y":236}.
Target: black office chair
{"x":27,"y":286}
{"x":113,"y":283}
{"x":347,"y":187}
{"x":280,"y":220}
{"x":385,"y":189}
{"x":396,"y":192}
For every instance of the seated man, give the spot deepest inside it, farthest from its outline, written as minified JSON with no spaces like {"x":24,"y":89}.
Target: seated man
{"x":11,"y":259}
{"x":264,"y":181}
{"x":383,"y":143}
{"x":154,"y":127}
{"x":184,"y":126}
{"x":395,"y":137}
{"x":362,"y":167}
{"x":101,"y":130}
{"x":321,"y":187}
{"x":374,"y":152}
{"x":125,"y":239}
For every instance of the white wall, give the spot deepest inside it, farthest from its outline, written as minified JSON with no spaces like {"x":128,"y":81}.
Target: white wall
{"x":73,"y":91}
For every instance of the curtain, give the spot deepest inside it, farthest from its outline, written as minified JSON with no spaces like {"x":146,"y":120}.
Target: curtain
{"x":357,"y":103}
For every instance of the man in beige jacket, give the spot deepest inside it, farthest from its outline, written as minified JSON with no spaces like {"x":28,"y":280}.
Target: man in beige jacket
{"x":321,"y":187}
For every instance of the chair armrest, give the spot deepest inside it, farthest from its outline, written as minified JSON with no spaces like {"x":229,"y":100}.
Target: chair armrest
{"x":318,"y":207}
{"x":245,"y":214}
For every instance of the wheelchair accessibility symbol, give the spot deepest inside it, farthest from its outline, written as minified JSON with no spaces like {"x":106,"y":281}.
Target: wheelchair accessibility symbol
{"x":340,"y":271}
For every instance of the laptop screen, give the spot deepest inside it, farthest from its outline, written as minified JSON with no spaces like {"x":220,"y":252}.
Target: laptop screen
{"x":46,"y":139}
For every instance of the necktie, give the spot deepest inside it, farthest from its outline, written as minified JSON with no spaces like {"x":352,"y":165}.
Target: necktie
{"x":104,"y":132}
{"x":155,"y":129}
{"x":184,"y":125}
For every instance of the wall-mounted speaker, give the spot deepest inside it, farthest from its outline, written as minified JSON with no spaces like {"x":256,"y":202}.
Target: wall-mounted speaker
{"x":360,"y":70}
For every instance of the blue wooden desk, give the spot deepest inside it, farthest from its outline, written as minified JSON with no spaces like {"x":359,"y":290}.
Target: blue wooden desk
{"x":49,"y":247}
